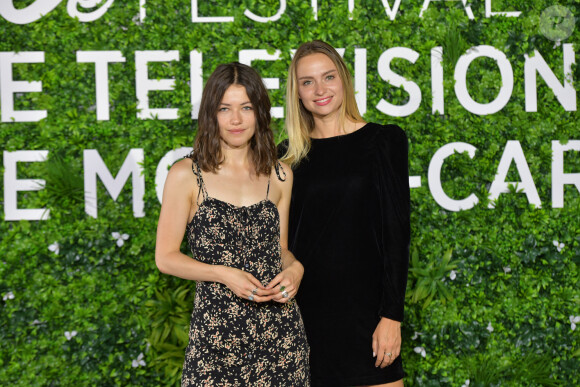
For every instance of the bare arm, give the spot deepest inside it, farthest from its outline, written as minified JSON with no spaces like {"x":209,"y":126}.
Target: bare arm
{"x":288,"y":281}
{"x":288,"y":259}
{"x":179,"y":198}
{"x":179,"y":203}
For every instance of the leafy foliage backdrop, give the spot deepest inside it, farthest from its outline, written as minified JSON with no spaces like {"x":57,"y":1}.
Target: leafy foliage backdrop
{"x":491,"y":299}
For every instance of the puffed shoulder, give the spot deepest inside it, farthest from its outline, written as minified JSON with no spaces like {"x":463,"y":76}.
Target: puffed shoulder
{"x":392,"y":134}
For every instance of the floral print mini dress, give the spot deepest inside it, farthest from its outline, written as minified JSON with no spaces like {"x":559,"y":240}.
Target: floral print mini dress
{"x":234,"y":341}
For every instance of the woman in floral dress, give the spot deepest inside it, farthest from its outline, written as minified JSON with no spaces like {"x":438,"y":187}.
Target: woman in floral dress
{"x":231,"y":198}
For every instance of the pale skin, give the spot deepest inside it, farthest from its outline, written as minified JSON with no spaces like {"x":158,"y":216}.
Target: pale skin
{"x":235,"y":182}
{"x":321,"y":91}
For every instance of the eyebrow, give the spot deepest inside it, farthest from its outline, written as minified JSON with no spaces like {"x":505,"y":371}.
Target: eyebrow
{"x":243,"y":103}
{"x":323,"y":74}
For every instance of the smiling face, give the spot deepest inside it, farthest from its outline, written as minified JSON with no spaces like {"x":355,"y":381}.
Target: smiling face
{"x":236,"y":118}
{"x":319,"y":85}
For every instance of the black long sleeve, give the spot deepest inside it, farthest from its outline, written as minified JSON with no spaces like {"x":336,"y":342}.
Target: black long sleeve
{"x":393,"y":185}
{"x":349,"y":226}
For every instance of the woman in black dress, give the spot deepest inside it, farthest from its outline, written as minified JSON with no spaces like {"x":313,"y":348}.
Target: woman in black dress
{"x":349,"y":224}
{"x":231,"y":198}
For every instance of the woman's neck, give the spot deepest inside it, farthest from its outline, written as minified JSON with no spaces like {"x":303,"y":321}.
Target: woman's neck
{"x":237,"y":158}
{"x":325,"y":127}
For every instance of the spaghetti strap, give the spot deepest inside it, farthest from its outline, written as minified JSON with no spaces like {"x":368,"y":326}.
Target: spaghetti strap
{"x":278,"y":168}
{"x":197,"y":172}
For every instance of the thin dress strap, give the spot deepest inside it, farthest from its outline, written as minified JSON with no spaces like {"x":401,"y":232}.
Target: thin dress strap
{"x":197,"y":172}
{"x":278,"y":168}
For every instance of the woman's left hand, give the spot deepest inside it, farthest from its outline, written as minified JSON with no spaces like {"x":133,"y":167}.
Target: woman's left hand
{"x":287,"y":282}
{"x":386,"y":341}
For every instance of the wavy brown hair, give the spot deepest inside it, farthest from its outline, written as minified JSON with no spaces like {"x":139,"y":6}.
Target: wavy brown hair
{"x":207,"y":148}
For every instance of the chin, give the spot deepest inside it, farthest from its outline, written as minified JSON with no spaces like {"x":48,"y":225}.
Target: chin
{"x":236,"y":143}
{"x":324,"y":112}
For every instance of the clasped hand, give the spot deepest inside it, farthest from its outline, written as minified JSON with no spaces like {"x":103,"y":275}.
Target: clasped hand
{"x":281,"y":289}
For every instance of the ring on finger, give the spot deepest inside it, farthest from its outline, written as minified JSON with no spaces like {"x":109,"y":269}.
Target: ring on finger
{"x":389,"y":354}
{"x":285,"y":294}
{"x":255,"y":291}
{"x":251,"y":297}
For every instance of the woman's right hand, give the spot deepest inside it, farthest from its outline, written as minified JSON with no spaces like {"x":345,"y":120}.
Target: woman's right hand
{"x":245,"y":285}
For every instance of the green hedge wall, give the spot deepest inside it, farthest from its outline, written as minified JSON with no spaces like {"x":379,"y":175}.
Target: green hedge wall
{"x":491,"y":299}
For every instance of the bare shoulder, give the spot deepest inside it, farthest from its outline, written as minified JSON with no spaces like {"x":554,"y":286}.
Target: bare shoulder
{"x":283,"y":177}
{"x":281,"y":182}
{"x":180,"y":184}
{"x":286,"y":170}
{"x":181,"y":174}
{"x":182,"y":169}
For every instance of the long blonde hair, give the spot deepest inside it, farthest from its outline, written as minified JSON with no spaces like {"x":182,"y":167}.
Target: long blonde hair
{"x":299,"y":121}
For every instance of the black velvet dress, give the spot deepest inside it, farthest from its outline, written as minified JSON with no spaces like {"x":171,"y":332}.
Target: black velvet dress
{"x":350,"y":228}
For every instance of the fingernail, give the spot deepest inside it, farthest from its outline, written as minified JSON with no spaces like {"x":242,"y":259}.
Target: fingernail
{"x":374,"y":354}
